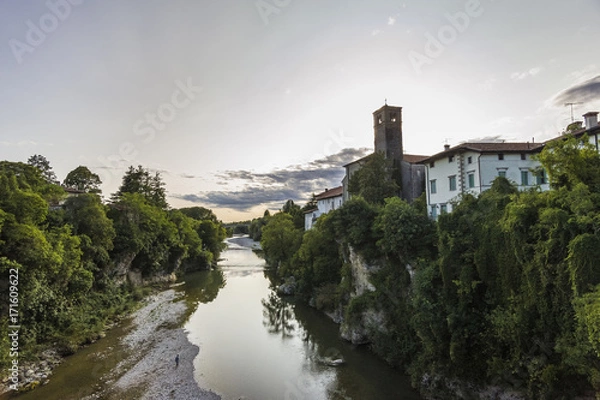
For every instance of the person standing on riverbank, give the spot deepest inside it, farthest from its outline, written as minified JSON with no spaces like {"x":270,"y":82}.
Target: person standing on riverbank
{"x":177,"y":360}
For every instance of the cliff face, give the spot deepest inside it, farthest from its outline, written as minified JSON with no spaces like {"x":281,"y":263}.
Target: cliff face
{"x":359,"y":328}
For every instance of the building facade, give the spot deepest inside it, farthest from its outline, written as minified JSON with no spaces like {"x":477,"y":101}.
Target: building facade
{"x":329,"y":200}
{"x":472,"y":167}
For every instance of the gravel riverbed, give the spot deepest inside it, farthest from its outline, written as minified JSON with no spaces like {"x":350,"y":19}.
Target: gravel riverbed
{"x":155,"y":340}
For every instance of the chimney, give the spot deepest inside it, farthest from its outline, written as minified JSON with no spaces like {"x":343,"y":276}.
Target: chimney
{"x":446,"y":147}
{"x":591,"y":119}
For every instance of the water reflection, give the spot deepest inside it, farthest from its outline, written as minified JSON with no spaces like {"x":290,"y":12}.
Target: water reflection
{"x":256,"y":345}
{"x":278,"y":316}
{"x":201,"y":288}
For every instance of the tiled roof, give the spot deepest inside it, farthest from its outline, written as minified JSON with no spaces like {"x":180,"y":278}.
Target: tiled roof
{"x":335,"y":192}
{"x":413,"y":158}
{"x":490,"y":147}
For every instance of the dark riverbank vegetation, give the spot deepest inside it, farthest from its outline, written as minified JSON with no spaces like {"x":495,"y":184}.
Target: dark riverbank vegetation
{"x":503,"y":292}
{"x":82,"y":262}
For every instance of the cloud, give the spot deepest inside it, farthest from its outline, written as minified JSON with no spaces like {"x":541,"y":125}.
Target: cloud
{"x":517,"y":76}
{"x":273,"y":188}
{"x":189,"y":176}
{"x":584,"y":92}
{"x":376,"y":32}
{"x":391,"y":20}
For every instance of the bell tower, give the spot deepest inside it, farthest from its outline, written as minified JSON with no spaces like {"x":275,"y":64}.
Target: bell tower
{"x":387,"y":124}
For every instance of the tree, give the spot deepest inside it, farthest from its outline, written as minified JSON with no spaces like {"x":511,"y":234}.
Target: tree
{"x":296,"y":212}
{"x":407,"y":234}
{"x":199,"y":213}
{"x":374,"y":181}
{"x":140,"y":180}
{"x":41,"y":163}
{"x":82,"y":179}
{"x":570,"y":161}
{"x":280,"y":239}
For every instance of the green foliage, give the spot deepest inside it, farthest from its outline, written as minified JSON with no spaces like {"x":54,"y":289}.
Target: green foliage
{"x":317,"y":263}
{"x":67,"y":255}
{"x":43,"y":165}
{"x":374,"y":181}
{"x":295,"y":212}
{"x":280,"y":240}
{"x":571,"y":161}
{"x":353,"y":223}
{"x":257,"y":225}
{"x":81,"y":178}
{"x":406,"y":233}
{"x":139,"y":180}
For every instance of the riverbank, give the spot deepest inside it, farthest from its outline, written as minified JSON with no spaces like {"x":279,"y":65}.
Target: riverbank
{"x":135,"y":361}
{"x":245,"y":241}
{"x":150,"y":372}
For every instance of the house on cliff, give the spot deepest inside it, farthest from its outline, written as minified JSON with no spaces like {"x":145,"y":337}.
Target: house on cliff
{"x":327,"y":201}
{"x":472,"y":167}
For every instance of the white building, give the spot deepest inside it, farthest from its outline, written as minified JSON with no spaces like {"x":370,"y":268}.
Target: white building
{"x":327,"y":201}
{"x":472,"y":167}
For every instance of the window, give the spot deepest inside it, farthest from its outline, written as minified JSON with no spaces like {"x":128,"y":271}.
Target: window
{"x":523,"y":156}
{"x":470,"y":160}
{"x":433,"y":186}
{"x":433,"y":211}
{"x":451,"y":159}
{"x":471,"y":178}
{"x":432,"y":164}
{"x":443,"y":209}
{"x":393,"y":117}
{"x":452,"y":182}
{"x":502,"y":173}
{"x":379,"y":119}
{"x":524,"y":178}
{"x":501,"y":156}
{"x":540,"y":177}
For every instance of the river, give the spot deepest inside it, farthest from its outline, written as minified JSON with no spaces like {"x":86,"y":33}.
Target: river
{"x":256,"y":345}
{"x":253,"y":345}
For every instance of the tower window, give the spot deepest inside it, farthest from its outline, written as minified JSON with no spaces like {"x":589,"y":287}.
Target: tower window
{"x":393,"y":117}
{"x":379,"y":119}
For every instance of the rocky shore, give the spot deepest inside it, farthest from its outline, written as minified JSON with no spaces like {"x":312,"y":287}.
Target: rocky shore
{"x":155,"y":340}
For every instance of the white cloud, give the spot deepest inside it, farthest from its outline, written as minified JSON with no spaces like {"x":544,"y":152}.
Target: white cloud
{"x":517,"y":76}
{"x":376,"y":32}
{"x":391,"y":20}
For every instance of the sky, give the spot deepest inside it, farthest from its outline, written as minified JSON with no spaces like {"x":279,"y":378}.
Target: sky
{"x":243,"y":104}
